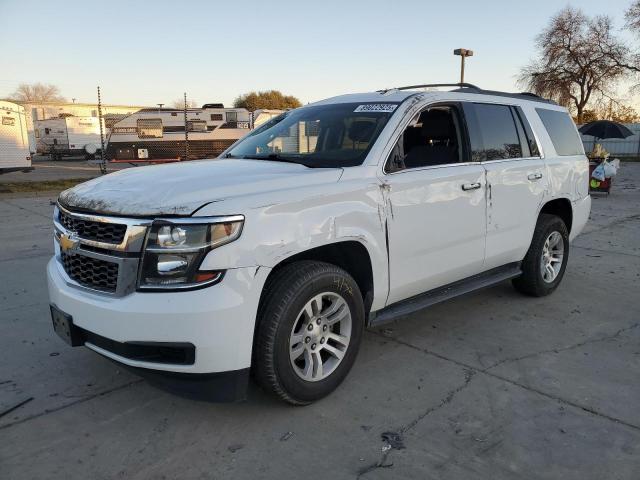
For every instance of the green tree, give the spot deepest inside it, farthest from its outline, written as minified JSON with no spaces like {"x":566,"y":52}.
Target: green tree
{"x":270,"y":99}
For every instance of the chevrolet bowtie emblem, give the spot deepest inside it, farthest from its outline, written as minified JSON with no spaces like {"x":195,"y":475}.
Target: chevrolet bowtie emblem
{"x":68,"y":243}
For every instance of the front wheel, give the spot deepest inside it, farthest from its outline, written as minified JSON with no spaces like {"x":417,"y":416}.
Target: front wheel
{"x":310,"y":328}
{"x":544,"y":265}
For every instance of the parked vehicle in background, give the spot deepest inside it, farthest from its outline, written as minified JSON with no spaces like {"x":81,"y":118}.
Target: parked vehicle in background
{"x":327,"y":219}
{"x":14,"y":139}
{"x":68,"y":136}
{"x":158,"y":134}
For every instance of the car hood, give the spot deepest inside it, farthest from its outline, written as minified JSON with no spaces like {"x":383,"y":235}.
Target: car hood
{"x":183,"y":188}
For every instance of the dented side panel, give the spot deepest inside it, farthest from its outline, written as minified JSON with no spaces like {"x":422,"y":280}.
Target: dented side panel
{"x":288,"y":224}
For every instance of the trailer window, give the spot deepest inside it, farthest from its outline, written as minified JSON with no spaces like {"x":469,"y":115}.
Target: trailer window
{"x":232,"y":116}
{"x":197,"y":126}
{"x":149,"y":128}
{"x":8,"y":121}
{"x":216,"y":117}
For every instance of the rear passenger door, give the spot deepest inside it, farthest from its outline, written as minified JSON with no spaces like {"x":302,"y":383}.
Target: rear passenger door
{"x":503,"y":142}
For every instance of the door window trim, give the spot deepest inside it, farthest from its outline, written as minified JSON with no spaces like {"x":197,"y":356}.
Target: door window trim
{"x":464,"y":135}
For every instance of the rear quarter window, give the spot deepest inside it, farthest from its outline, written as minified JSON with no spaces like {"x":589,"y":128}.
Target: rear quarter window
{"x":562,"y":131}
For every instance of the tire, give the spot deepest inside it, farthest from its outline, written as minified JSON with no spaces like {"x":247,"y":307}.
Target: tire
{"x":536,"y":280}
{"x":283,"y":318}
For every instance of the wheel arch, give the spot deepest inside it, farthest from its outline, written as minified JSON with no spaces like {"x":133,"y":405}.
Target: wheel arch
{"x":560,"y":207}
{"x":350,"y":255}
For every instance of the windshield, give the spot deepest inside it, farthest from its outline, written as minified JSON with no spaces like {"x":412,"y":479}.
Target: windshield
{"x":335,"y":135}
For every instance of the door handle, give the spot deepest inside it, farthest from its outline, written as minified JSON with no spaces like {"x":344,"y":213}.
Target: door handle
{"x":471,"y":186}
{"x":534,"y":176}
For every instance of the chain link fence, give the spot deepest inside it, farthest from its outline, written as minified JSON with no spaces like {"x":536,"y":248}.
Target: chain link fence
{"x":172,"y":134}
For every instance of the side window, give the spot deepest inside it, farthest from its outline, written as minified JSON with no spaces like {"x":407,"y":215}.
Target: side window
{"x":149,"y":128}
{"x":497,"y":133}
{"x":562,"y":131}
{"x":197,"y":126}
{"x":530,"y":138}
{"x":433,"y":137}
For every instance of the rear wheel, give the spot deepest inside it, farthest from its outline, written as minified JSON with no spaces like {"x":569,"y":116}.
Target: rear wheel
{"x":544,"y":265}
{"x":310,"y":328}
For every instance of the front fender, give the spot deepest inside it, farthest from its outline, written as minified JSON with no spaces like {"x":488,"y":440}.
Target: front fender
{"x":347,"y":211}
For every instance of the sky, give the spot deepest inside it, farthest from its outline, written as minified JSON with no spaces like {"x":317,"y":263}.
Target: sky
{"x":149,"y":52}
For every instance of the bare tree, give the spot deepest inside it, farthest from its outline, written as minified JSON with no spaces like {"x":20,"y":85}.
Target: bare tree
{"x":37,"y":92}
{"x":180,"y":103}
{"x":632,"y":17}
{"x":579,"y":58}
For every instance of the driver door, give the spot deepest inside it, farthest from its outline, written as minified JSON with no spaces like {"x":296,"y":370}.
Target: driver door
{"x":436,"y":204}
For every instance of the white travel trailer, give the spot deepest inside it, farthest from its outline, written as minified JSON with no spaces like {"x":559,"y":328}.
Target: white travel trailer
{"x":14,"y":139}
{"x":158,"y":134}
{"x":68,"y":136}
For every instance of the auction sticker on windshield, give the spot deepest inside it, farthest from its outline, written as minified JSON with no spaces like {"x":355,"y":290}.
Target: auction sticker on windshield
{"x":377,"y":107}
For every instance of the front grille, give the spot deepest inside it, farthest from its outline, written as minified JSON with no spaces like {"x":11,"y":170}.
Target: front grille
{"x":96,"y":231}
{"x":91,"y":272}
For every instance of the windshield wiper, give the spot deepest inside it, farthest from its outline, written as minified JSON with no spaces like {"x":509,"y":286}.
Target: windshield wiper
{"x":275,"y":157}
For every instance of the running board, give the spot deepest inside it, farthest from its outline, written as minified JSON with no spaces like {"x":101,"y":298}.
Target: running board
{"x":441,"y":294}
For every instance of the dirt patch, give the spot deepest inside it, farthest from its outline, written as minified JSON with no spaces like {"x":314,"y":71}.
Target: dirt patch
{"x":45,"y":185}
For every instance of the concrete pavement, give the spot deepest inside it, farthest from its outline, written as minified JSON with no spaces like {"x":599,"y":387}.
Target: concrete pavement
{"x":491,"y":385}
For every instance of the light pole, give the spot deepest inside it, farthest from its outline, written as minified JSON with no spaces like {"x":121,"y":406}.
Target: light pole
{"x":463,"y":53}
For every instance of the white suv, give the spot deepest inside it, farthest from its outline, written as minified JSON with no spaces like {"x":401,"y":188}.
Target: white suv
{"x":330,"y":218}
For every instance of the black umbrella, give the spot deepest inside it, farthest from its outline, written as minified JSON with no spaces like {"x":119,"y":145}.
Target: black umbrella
{"x":605,"y":129}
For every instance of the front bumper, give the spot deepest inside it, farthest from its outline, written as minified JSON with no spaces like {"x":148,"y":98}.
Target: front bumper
{"x":219,"y":321}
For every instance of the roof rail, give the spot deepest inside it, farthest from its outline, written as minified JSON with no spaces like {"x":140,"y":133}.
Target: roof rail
{"x":427,"y":85}
{"x":470,"y":88}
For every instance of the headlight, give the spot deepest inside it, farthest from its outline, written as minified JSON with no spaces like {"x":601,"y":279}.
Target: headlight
{"x":174,"y":252}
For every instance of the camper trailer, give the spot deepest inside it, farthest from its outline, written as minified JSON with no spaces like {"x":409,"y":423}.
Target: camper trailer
{"x":66,"y":136}
{"x":14,"y":139}
{"x":158,"y":134}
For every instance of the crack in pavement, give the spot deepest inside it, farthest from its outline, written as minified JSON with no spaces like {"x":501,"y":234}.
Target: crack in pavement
{"x":468,"y":376}
{"x":71,"y":404}
{"x":382,"y":462}
{"x":563,"y":349}
{"x":551,"y":396}
{"x":613,"y":252}
{"x":50,"y":217}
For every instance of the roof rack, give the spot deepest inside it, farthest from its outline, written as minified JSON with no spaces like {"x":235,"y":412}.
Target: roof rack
{"x":427,"y":85}
{"x":470,"y":88}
